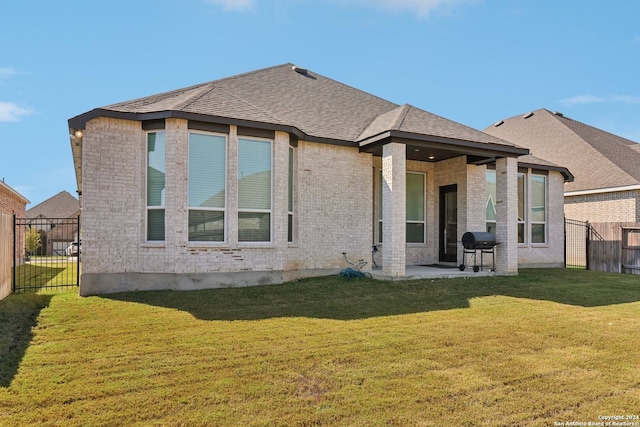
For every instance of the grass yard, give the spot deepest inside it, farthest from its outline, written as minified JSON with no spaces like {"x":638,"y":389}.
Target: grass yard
{"x":543,"y":348}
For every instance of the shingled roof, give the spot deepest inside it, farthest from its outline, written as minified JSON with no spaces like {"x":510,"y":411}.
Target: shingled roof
{"x":298,"y":101}
{"x":598,"y":159}
{"x":62,"y":205}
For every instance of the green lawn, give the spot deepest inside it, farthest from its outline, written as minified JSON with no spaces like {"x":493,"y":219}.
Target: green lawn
{"x":546,"y":347}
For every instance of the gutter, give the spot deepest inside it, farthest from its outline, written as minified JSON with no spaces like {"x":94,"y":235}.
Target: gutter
{"x":602,"y":190}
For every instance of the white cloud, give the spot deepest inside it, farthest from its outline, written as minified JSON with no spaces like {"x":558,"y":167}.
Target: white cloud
{"x":6,"y":72}
{"x":421,"y":7}
{"x":234,"y":4}
{"x":593,"y":99}
{"x":10,"y":112}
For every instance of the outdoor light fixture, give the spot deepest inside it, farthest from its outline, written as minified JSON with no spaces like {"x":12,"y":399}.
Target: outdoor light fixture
{"x":431,"y":157}
{"x":77,"y":133}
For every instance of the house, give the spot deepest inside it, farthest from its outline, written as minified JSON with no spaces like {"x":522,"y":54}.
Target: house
{"x":271,"y":175}
{"x":606,"y":167}
{"x":48,"y":219}
{"x":11,"y":203}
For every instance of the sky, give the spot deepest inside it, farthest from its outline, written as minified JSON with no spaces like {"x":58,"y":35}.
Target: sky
{"x":472,"y":61}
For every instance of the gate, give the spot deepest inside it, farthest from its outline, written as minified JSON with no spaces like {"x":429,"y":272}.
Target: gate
{"x":47,"y":253}
{"x":576,"y":244}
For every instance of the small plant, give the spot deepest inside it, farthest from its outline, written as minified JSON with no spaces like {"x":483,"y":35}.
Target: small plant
{"x":32,"y":241}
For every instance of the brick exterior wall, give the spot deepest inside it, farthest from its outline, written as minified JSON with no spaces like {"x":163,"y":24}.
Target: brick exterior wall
{"x":616,"y":206}
{"x":11,"y":203}
{"x":333,"y":202}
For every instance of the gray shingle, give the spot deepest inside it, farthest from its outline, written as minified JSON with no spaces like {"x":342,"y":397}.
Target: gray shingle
{"x":596,"y":158}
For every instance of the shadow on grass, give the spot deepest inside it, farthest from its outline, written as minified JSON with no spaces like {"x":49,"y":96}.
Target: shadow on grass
{"x":341,"y":299}
{"x":18,"y":315}
{"x":33,"y":276}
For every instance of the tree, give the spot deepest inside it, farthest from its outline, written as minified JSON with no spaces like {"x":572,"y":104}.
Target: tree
{"x":32,"y":241}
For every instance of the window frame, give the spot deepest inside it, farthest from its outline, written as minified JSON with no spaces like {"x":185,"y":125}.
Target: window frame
{"x":162,"y":205}
{"x":424,"y":209}
{"x":240,"y":210}
{"x":225,"y":209}
{"x":533,"y":222}
{"x":291,"y":191}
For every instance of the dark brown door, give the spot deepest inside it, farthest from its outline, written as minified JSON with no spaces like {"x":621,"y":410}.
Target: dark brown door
{"x":449,"y":223}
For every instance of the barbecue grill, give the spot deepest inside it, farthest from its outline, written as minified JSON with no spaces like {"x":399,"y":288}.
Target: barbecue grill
{"x":482,"y":241}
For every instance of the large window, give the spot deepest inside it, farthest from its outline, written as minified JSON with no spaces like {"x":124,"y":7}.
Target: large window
{"x":522,"y":198}
{"x":207,"y":187}
{"x":538,"y":208}
{"x":290,"y":196}
{"x":490,"y":205}
{"x":254,"y":190}
{"x":415,"y":207}
{"x":537,"y":215}
{"x":156,"y":169}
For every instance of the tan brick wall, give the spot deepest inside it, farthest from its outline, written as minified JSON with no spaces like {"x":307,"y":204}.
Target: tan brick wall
{"x":618,"y":206}
{"x":332,"y":210}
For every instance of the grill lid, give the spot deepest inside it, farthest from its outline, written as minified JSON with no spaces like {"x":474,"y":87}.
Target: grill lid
{"x":478,"y":240}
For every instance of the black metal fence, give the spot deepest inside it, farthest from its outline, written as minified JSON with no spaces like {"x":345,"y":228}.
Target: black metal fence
{"x":576,"y":246}
{"x":47,"y":253}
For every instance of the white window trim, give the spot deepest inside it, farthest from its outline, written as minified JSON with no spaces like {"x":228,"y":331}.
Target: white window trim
{"x":247,"y":243}
{"x":525,"y":208}
{"x":224,"y":242}
{"x":148,"y":208}
{"x":546,"y":212}
{"x":424,"y":210}
{"x":291,"y":176}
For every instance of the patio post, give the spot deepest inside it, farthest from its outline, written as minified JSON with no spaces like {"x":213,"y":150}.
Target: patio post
{"x":507,"y":215}
{"x":394,"y":194}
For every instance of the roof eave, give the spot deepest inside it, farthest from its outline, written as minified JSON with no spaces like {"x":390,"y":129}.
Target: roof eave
{"x":459,"y":144}
{"x":568,"y":176}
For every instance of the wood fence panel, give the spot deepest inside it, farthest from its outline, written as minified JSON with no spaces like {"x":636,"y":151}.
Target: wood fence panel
{"x":6,"y":254}
{"x":605,"y":247}
{"x":631,"y":250}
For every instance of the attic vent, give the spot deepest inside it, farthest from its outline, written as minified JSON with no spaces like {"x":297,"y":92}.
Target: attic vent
{"x":526,"y":116}
{"x":496,"y":124}
{"x":558,"y":113}
{"x":300,"y":70}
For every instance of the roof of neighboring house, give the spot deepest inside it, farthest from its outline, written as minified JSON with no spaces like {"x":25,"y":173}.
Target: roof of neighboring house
{"x":62,"y":205}
{"x":597,"y":159}
{"x":302,"y":102}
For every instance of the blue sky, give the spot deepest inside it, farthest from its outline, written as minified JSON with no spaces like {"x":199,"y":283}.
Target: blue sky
{"x":472,"y":61}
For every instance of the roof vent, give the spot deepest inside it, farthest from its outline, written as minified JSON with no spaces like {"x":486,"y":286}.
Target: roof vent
{"x":300,"y":70}
{"x":496,"y":124}
{"x":558,"y":113}
{"x":529,"y":114}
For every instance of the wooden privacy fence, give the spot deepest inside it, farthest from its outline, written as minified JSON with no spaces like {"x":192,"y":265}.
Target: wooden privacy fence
{"x":6,"y":254}
{"x":615,"y":247}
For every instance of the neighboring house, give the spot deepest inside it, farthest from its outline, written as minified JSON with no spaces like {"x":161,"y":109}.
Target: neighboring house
{"x":46,"y":217}
{"x":606,"y":167}
{"x":269,"y":176}
{"x":11,"y":203}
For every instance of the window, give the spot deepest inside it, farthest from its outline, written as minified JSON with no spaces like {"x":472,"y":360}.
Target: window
{"x":537,"y":215}
{"x":254,"y":190}
{"x":522,"y":198}
{"x":156,"y":169}
{"x":538,"y":208}
{"x":490,"y":205}
{"x":207,"y":187}
{"x":415,"y":207}
{"x":290,"y":197}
